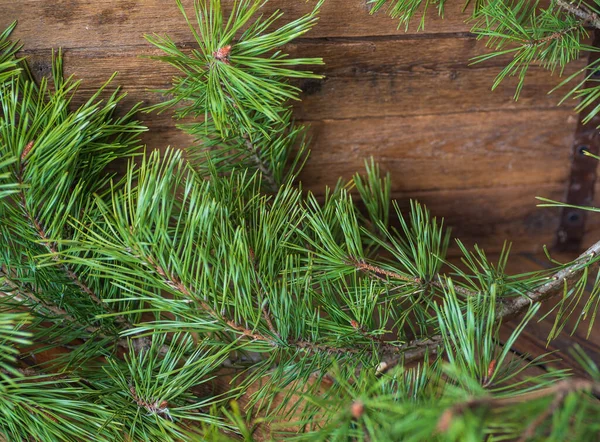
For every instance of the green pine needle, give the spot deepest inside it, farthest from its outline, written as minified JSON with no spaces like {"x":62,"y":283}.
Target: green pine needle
{"x":235,"y":78}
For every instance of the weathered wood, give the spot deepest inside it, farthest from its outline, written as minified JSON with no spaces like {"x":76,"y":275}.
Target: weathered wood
{"x":516,"y":218}
{"x":432,"y":152}
{"x":485,"y":187}
{"x":106,"y":23}
{"x":592,"y":224}
{"x":362,"y":78}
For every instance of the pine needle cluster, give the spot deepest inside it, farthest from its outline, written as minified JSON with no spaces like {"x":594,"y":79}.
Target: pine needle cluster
{"x":528,"y":33}
{"x":124,"y":299}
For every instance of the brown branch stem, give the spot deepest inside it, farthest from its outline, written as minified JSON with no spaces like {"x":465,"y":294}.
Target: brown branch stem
{"x":176,"y":284}
{"x":510,"y":308}
{"x":538,"y":421}
{"x":19,"y":294}
{"x":559,"y":389}
{"x":260,"y":165}
{"x":580,"y":11}
{"x":51,"y":247}
{"x":22,"y":295}
{"x":556,"y":284}
{"x":374,"y":270}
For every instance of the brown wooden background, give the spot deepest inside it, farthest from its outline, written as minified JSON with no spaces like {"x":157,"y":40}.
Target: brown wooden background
{"x":411,"y":100}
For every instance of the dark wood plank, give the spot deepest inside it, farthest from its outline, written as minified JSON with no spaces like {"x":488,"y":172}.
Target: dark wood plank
{"x":454,"y":151}
{"x":412,"y":102}
{"x":427,"y":153}
{"x":488,"y":217}
{"x":362,"y":79}
{"x":592,"y":224}
{"x":109,"y":23}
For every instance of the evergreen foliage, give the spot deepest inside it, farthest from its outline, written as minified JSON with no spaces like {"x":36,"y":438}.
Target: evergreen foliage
{"x":530,"y":33}
{"x":333,"y":323}
{"x":236,"y":86}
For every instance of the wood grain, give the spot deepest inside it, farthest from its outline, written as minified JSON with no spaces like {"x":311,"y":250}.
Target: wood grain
{"x":361,"y":79}
{"x":427,"y":153}
{"x":109,"y":23}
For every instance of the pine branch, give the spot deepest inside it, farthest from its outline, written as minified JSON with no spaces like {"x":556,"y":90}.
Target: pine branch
{"x":559,"y":389}
{"x":53,"y":250}
{"x":548,"y":412}
{"x":436,"y":281}
{"x":175,"y":283}
{"x":234,"y":76}
{"x":22,"y":295}
{"x":9,"y":64}
{"x":267,"y":174}
{"x":578,"y":9}
{"x":558,"y":282}
{"x":307,"y":346}
{"x":507,"y":309}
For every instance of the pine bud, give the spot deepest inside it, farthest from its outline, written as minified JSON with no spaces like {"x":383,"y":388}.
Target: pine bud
{"x":357,"y":409}
{"x":27,"y":149}
{"x":222,"y":54}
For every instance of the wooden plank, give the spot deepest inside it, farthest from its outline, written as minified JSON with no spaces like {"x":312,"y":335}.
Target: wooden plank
{"x":484,"y":215}
{"x":488,"y":217}
{"x":110,"y":23}
{"x":592,"y":224}
{"x":410,"y":101}
{"x":415,"y":94}
{"x":445,"y":151}
{"x":427,"y":153}
{"x":362,"y":80}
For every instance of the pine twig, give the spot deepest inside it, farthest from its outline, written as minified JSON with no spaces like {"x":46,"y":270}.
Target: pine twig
{"x":302,"y":344}
{"x":51,"y":247}
{"x":581,"y":11}
{"x":378,"y":271}
{"x":411,"y":351}
{"x":559,"y":389}
{"x":176,"y":284}
{"x":440,"y":283}
{"x":507,"y":309}
{"x":22,"y":295}
{"x":260,"y":164}
{"x":535,"y":424}
{"x":512,"y":308}
{"x":553,"y":36}
{"x":436,"y":281}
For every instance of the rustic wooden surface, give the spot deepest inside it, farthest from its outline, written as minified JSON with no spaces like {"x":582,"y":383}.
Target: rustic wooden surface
{"x":411,"y":100}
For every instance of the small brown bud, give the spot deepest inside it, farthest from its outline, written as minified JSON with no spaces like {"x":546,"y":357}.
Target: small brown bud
{"x":445,"y":421}
{"x":381,"y":367}
{"x":354,"y":324}
{"x":26,"y":150}
{"x":491,"y":368}
{"x":357,"y":409}
{"x":222,"y":54}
